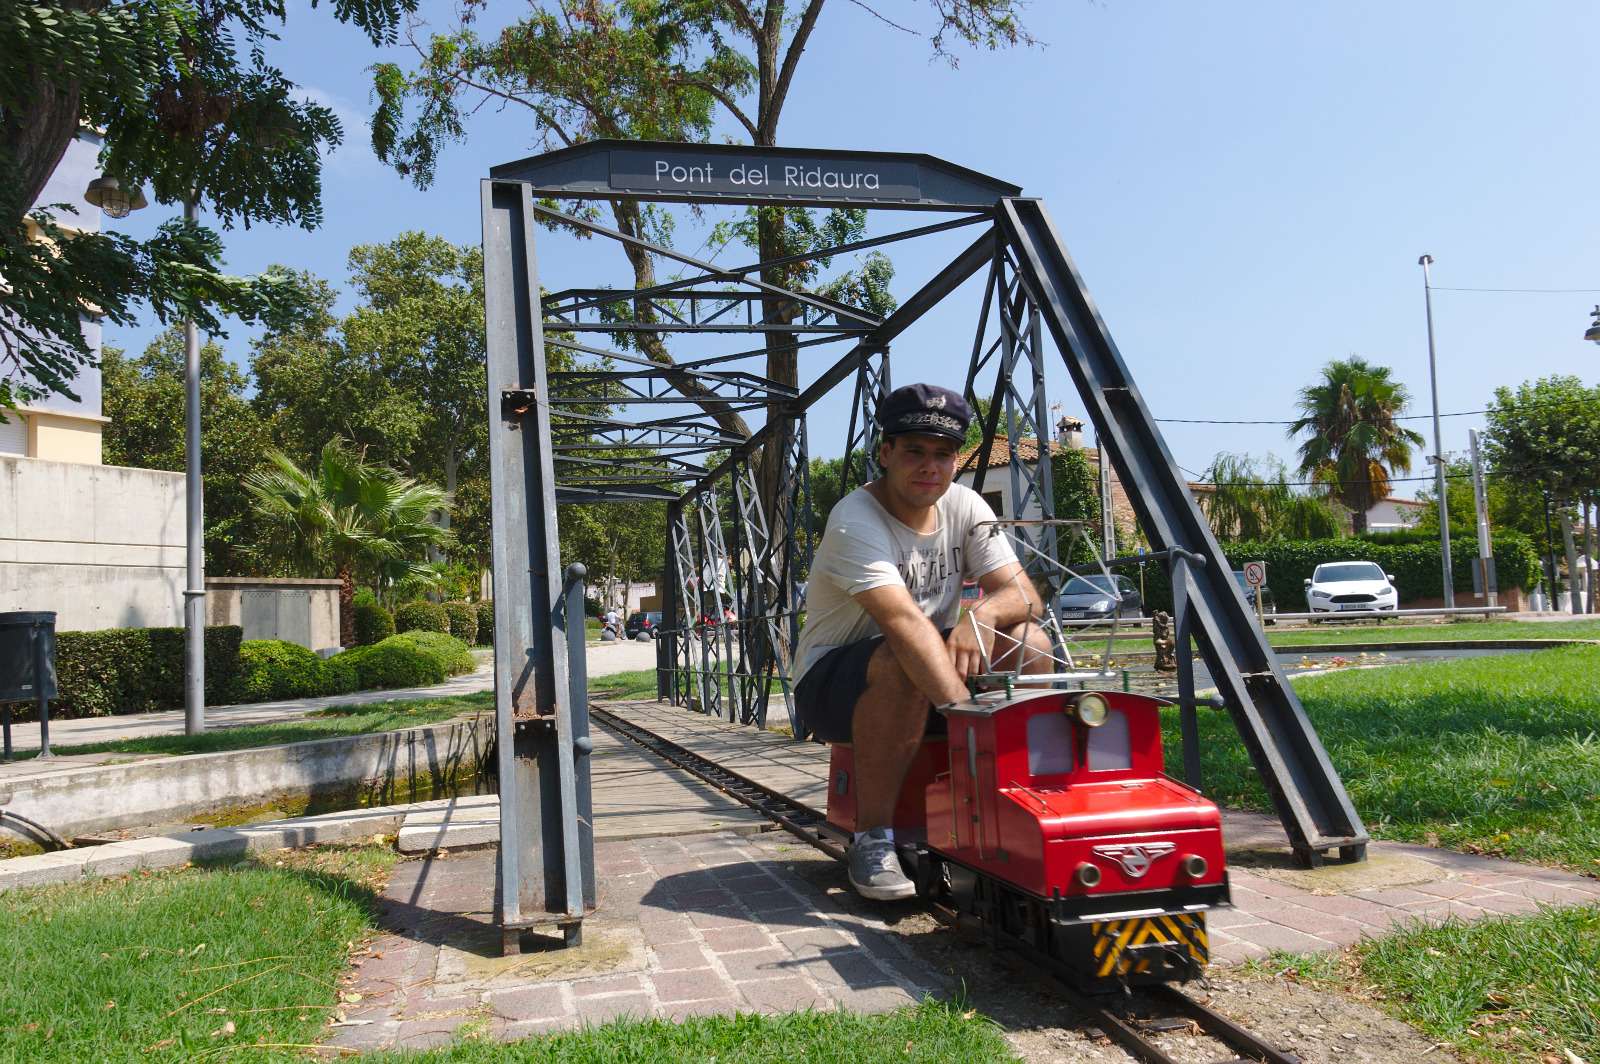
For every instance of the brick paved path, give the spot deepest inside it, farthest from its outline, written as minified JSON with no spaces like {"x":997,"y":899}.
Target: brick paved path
{"x":689,"y":925}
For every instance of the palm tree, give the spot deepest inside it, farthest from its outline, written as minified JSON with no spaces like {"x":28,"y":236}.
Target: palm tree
{"x":1354,"y":443}
{"x":346,"y":514}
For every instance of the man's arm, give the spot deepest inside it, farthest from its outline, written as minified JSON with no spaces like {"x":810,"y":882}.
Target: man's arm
{"x":916,"y":643}
{"x":1008,"y":599}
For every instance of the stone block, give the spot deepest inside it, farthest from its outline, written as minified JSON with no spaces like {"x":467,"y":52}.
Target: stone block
{"x":693,"y":985}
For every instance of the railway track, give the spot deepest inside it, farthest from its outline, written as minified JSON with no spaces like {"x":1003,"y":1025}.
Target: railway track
{"x":1131,"y":1021}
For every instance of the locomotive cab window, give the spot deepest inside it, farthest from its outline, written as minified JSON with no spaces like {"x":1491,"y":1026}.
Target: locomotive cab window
{"x":1109,"y":747}
{"x":1049,"y":744}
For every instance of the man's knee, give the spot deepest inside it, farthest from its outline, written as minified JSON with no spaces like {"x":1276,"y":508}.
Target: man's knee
{"x":1024,"y":646}
{"x":886,"y":676}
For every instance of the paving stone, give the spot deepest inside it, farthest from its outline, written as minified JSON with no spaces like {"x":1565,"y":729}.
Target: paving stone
{"x":426,"y":1034}
{"x":731,"y":939}
{"x":870,"y":999}
{"x":726,"y":918}
{"x":847,"y":968}
{"x":1237,"y":953}
{"x":1358,"y":909}
{"x":1262,"y":885}
{"x":694,"y":985}
{"x":612,"y":984}
{"x":1551,"y":893}
{"x":680,"y":955}
{"x":788,"y":994}
{"x":424,"y":1006}
{"x":598,"y":1010}
{"x":812,"y":941}
{"x":758,"y":964}
{"x":791,"y":918}
{"x":1224,"y":918}
{"x":665,"y":929}
{"x":529,"y":1003}
{"x":1514,"y":904}
{"x":364,"y":1037}
{"x":1397,"y":896}
{"x":1274,"y":936}
{"x":1447,"y":888}
{"x":1322,"y":925}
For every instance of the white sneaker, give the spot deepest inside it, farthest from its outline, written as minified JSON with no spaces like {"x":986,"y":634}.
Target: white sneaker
{"x":875,"y":870}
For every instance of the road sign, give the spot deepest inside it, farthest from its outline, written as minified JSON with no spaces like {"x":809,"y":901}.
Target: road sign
{"x":1255,"y":573}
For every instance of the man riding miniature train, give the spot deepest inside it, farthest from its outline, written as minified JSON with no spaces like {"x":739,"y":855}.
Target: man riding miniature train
{"x":882,"y":645}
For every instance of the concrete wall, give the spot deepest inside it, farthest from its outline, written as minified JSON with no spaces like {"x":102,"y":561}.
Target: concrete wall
{"x":102,"y":546}
{"x":167,"y":790}
{"x":300,"y":611}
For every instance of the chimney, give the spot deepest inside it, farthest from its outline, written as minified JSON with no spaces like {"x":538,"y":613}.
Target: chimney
{"x":1069,"y":432}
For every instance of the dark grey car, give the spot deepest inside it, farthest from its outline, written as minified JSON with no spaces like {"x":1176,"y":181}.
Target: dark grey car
{"x":1098,"y":597}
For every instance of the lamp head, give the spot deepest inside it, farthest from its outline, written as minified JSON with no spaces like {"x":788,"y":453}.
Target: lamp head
{"x":1593,"y":332}
{"x":108,"y":194}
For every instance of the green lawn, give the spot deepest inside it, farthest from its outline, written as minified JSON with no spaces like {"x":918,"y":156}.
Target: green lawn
{"x":330,"y":723}
{"x":933,"y":1032}
{"x":1492,"y":755}
{"x":183,"y":965}
{"x":1497,"y":991}
{"x":243,"y":961}
{"x":1430,"y":632}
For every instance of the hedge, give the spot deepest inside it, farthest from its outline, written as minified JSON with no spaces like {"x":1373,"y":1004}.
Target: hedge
{"x":273,"y":669}
{"x":463,"y":618}
{"x":411,"y":659}
{"x":486,"y":623}
{"x":1414,"y":566}
{"x":421,"y":617}
{"x":374,"y":624}
{"x":138,"y":670}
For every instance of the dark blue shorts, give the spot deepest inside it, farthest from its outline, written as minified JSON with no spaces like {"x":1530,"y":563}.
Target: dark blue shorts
{"x":825,"y":701}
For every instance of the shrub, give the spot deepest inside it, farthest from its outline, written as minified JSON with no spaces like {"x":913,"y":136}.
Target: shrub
{"x":463,"y":620}
{"x":446,"y":651}
{"x":137,"y":670}
{"x":387,"y":665}
{"x":421,"y":617}
{"x":1414,"y":565}
{"x":340,"y":676}
{"x":374,"y":624}
{"x":486,"y":623}
{"x":271,"y":669}
{"x":365,"y":596}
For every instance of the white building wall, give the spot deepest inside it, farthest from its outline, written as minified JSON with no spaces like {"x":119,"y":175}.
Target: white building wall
{"x":102,"y":546}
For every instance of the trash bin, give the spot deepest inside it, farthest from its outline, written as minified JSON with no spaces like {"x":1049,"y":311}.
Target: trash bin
{"x":28,"y":669}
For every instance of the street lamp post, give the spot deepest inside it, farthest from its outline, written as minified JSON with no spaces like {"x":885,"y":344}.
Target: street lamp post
{"x":108,"y":194}
{"x":1437,"y":458}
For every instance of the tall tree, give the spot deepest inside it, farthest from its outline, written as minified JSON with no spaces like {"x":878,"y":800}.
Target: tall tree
{"x":144,"y":398}
{"x":348,"y":515}
{"x":1353,"y":442}
{"x":1547,"y":433}
{"x":1251,"y":499}
{"x":190,"y":106}
{"x":657,"y":70}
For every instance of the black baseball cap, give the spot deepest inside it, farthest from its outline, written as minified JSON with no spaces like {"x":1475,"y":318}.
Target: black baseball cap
{"x":925,"y":408}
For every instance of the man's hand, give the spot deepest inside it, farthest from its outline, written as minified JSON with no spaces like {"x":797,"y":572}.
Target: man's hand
{"x":970,"y":645}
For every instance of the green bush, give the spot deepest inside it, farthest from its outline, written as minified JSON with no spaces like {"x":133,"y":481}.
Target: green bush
{"x":137,"y":670}
{"x":463,"y":620}
{"x":486,"y":623}
{"x":422,"y":617}
{"x":1414,"y":566}
{"x":449,"y":653}
{"x":339,"y":676}
{"x":273,"y":669}
{"x":365,"y":596}
{"x":374,"y":624}
{"x":410,"y":659}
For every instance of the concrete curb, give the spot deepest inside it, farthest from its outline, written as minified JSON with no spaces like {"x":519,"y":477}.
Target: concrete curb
{"x":1435,"y":644}
{"x":214,"y":844}
{"x":166,"y":790}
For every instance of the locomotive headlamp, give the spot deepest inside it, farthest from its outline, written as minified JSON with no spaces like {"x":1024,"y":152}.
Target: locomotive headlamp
{"x":1092,"y":710}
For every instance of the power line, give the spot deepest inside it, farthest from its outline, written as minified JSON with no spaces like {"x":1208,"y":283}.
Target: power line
{"x":1537,"y":291}
{"x":1407,"y":417}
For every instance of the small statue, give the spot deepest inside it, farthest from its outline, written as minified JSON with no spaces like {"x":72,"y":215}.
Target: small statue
{"x":1166,"y":645}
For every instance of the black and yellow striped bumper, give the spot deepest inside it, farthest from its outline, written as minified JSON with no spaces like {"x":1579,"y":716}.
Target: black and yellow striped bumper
{"x":1155,"y":948}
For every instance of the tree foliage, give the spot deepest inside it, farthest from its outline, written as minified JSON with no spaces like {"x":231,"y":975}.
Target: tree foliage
{"x":1546,"y":433}
{"x":190,"y":107}
{"x":1353,"y":442}
{"x":144,"y":399}
{"x":347,"y":515}
{"x":1251,"y":499}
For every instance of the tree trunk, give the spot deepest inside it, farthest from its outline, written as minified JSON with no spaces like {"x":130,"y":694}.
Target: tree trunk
{"x":347,"y":607}
{"x":37,"y":136}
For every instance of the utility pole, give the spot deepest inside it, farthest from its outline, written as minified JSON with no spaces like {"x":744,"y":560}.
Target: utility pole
{"x":194,"y":596}
{"x":1108,"y":524}
{"x":1438,"y":450}
{"x":1481,"y":502}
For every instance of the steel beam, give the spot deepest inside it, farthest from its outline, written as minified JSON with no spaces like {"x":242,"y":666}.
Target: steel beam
{"x":545,"y":868}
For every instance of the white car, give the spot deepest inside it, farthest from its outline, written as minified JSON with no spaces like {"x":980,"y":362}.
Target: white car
{"x":1339,"y":586}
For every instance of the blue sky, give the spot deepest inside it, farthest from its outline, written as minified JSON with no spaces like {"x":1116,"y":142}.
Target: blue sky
{"x":1246,"y":188}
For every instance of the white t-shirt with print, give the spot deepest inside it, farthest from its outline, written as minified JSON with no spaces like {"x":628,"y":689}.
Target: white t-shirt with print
{"x":864,"y":546}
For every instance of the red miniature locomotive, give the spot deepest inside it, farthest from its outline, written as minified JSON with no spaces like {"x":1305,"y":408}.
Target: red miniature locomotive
{"x":1047,"y":815}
